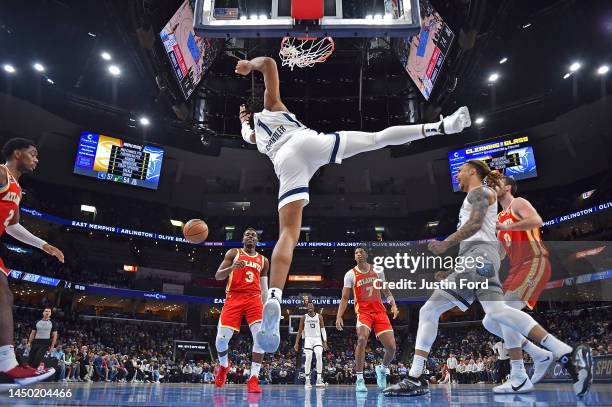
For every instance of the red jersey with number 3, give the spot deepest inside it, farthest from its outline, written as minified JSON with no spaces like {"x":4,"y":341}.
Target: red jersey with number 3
{"x":10,"y":197}
{"x":246,"y":280}
{"x":367,"y":297}
{"x":520,"y":245}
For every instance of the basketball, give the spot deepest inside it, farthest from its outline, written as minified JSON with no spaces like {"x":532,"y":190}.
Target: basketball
{"x":196,"y":231}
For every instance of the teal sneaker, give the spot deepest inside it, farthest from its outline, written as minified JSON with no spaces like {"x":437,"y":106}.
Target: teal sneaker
{"x":381,"y":376}
{"x":360,"y":386}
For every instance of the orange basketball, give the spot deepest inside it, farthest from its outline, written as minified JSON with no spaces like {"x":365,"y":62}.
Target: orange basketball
{"x":196,"y":230}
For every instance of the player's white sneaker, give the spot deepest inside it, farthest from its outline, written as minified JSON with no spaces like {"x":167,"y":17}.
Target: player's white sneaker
{"x":268,"y":336}
{"x":456,"y":122}
{"x":515,"y":385}
{"x":307,"y":385}
{"x":541,"y":366}
{"x":320,"y":382}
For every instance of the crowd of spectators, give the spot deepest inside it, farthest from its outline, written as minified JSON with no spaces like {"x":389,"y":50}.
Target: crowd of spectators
{"x":132,"y":351}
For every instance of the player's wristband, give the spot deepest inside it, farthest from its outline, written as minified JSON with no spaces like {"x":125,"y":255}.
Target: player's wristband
{"x":324,"y":334}
{"x":23,"y":235}
{"x":246,"y":132}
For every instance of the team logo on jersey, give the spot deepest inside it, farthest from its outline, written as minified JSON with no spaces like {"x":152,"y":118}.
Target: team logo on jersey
{"x":12,"y":197}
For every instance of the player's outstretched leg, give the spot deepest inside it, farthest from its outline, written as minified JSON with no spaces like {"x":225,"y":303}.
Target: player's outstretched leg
{"x":290,"y":222}
{"x":11,"y":374}
{"x":382,"y":371}
{"x":359,"y":142}
{"x":578,"y":361}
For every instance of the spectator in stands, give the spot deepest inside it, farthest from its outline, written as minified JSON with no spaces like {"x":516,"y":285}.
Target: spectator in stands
{"x":59,"y":354}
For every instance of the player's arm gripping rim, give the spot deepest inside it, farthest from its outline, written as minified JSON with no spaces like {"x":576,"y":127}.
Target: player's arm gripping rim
{"x":323,"y":331}
{"x":346,"y":292}
{"x":267,"y":66}
{"x":480,"y":198}
{"x":300,"y":334}
{"x":228,"y":265}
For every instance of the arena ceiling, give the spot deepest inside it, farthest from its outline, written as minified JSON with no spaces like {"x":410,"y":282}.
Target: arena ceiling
{"x":539,"y":39}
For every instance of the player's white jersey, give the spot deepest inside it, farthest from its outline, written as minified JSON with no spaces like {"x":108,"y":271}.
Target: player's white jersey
{"x":273,"y":129}
{"x":312,"y":326}
{"x":487,"y":233}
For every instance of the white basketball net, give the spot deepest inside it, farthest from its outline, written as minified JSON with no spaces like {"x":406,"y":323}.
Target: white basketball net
{"x":305,"y":52}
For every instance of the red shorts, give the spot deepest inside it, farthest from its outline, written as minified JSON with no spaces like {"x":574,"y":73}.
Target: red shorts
{"x":4,"y":269}
{"x":375,"y":320}
{"x":237,"y":305}
{"x":527,"y":280}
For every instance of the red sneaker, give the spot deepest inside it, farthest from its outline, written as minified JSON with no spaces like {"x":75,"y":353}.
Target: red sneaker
{"x":253,"y":385}
{"x":25,"y":375}
{"x":221,"y":374}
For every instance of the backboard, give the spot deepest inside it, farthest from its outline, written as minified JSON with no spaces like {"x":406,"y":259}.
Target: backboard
{"x":274,"y":19}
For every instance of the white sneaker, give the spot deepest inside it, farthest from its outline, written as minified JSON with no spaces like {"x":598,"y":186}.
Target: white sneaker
{"x":515,"y":385}
{"x":541,"y":366}
{"x":268,"y":336}
{"x":320,"y":382}
{"x":456,"y":122}
{"x":307,"y":385}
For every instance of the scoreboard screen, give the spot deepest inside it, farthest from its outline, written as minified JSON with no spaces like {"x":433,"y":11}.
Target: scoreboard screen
{"x":513,"y":157}
{"x":112,"y":159}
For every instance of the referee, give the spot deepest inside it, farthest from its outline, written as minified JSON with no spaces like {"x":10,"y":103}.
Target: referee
{"x":42,"y":338}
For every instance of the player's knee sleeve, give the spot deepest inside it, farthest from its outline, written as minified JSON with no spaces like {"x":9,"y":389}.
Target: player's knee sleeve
{"x":508,"y":316}
{"x":254,"y":329}
{"x":492,"y":326}
{"x":512,"y":338}
{"x":223,"y":337}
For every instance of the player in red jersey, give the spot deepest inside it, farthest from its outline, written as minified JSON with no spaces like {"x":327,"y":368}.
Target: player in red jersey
{"x":21,"y":158}
{"x":247,"y":288}
{"x":518,"y":227}
{"x":365,"y":283}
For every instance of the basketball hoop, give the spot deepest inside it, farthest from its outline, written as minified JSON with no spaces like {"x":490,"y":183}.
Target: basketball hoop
{"x":305,"y":51}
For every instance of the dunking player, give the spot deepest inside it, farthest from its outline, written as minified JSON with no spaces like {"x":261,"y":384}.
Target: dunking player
{"x":312,"y":329}
{"x":246,"y":290}
{"x":518,"y":224}
{"x":371,"y":315}
{"x":297,"y":152}
{"x":21,"y":158}
{"x":477,"y":239}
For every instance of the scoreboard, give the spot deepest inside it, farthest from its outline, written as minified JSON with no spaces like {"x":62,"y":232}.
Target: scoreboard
{"x":512,"y":157}
{"x":112,"y":159}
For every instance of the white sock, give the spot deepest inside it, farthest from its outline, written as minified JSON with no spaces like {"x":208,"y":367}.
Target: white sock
{"x":534,"y":351}
{"x":255,"y":369}
{"x":275,"y":293}
{"x":554,"y":345}
{"x":7,"y":358}
{"x":418,"y":364}
{"x":223,"y":360}
{"x":517,"y":368}
{"x":359,"y":375}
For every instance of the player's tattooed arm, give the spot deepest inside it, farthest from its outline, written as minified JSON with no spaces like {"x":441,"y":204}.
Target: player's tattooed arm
{"x":228,"y":265}
{"x":481,"y":199}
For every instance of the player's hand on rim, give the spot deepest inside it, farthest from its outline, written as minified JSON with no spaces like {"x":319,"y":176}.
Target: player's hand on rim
{"x":53,"y":251}
{"x":339,"y":324}
{"x":243,"y":67}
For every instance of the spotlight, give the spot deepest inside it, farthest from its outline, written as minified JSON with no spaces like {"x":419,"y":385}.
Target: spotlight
{"x":479,"y":120}
{"x":9,"y":68}
{"x":253,"y":17}
{"x":527,"y":25}
{"x":503,"y":60}
{"x":567,"y":75}
{"x":263,"y":17}
{"x":114,"y":70}
{"x":369,"y":17}
{"x":378,"y":16}
{"x":50,"y":81}
{"x":106,"y":56}
{"x":493,"y":77}
{"x":243,"y":18}
{"x":602,"y":70}
{"x":144,"y":121}
{"x":39,"y":67}
{"x":575,"y":66}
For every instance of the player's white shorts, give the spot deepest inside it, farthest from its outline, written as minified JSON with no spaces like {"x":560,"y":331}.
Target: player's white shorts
{"x":300,"y":157}
{"x":310,"y":343}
